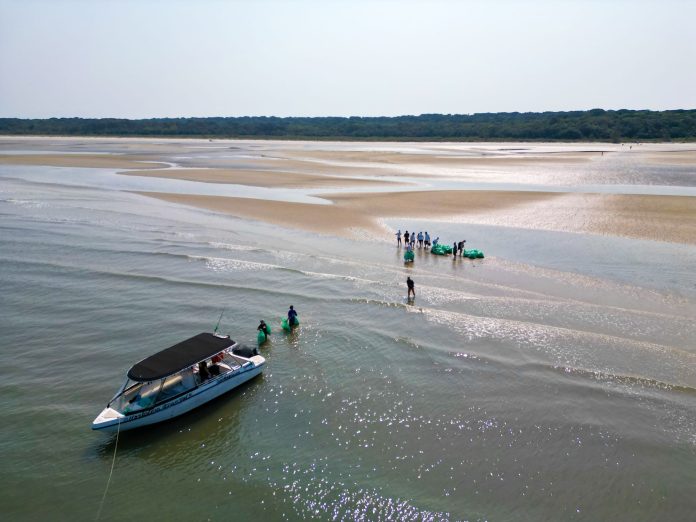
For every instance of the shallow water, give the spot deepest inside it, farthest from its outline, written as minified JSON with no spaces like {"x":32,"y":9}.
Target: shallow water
{"x":553,"y":380}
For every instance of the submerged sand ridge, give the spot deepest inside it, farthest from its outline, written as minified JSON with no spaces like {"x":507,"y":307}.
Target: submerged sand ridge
{"x":520,"y":170}
{"x":258,"y":178}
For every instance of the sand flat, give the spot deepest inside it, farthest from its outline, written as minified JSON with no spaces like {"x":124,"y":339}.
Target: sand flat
{"x":660,"y":218}
{"x":325,"y":219}
{"x":357,"y":166}
{"x":96,"y":161}
{"x":324,"y":167}
{"x":686,"y":157}
{"x":258,"y":178}
{"x":440,"y":158}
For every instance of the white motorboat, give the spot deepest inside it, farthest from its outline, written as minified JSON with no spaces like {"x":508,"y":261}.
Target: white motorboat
{"x":179,"y":379}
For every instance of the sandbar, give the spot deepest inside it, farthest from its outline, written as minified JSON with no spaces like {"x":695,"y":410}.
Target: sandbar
{"x":325,"y":219}
{"x":660,"y":218}
{"x":440,"y":158}
{"x":258,"y":178}
{"x":685,"y":157}
{"x":96,"y":161}
{"x":355,"y":166}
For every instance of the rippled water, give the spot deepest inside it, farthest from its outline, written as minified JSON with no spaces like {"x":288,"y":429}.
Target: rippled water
{"x":553,"y":380}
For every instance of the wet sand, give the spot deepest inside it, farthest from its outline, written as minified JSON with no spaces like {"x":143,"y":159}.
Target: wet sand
{"x":659,"y":218}
{"x":443,"y":157}
{"x":94,"y":161}
{"x":259,"y":178}
{"x":325,"y":219}
{"x":341,"y":167}
{"x":686,"y":157}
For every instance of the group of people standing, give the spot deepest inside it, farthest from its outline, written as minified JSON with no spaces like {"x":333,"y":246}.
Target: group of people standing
{"x":410,"y":240}
{"x":423,"y":240}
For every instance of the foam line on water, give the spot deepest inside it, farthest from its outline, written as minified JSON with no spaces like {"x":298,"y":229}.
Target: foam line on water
{"x":224,"y":264}
{"x":625,"y":380}
{"x":574,"y":348}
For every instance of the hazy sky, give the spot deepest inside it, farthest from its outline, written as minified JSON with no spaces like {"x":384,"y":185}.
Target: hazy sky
{"x":148,"y":58}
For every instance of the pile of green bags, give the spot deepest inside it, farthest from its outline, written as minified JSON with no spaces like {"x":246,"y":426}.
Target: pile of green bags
{"x":444,"y":250}
{"x":441,"y":250}
{"x":473,"y":254}
{"x":409,"y":256}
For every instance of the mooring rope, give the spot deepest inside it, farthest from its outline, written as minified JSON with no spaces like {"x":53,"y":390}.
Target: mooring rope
{"x":113,"y":462}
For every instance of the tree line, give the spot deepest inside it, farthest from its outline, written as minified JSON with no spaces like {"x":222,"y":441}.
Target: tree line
{"x":592,"y":125}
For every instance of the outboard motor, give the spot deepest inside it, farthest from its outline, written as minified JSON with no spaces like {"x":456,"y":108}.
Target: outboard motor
{"x":244,"y":351}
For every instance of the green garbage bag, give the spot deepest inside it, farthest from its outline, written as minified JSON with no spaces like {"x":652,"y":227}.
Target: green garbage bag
{"x":441,"y":250}
{"x":409,"y":256}
{"x":473,"y":254}
{"x":261,"y":337}
{"x":286,"y":326}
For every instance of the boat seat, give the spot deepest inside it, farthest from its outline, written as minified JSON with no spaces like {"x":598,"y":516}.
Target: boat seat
{"x":175,"y":386}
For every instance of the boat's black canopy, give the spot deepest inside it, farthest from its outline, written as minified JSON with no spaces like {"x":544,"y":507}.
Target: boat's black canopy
{"x":178,"y":357}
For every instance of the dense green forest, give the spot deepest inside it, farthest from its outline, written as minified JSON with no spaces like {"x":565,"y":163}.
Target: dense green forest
{"x":593,"y":125}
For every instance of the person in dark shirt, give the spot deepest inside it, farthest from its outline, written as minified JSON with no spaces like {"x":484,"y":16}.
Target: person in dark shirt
{"x":411,"y":287}
{"x":406,"y":237}
{"x":292,"y":316}
{"x":203,"y":371}
{"x":263,"y":327}
{"x":454,"y":249}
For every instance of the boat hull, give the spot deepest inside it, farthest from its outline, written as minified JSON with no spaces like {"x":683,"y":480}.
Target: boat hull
{"x":111,"y":421}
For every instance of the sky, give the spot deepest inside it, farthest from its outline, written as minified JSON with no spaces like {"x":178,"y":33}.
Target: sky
{"x":169,"y":58}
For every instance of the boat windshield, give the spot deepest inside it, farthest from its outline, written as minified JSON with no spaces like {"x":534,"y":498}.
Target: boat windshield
{"x":138,"y":396}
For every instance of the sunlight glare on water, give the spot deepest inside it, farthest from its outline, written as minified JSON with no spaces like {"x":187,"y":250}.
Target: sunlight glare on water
{"x":534,"y":384}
